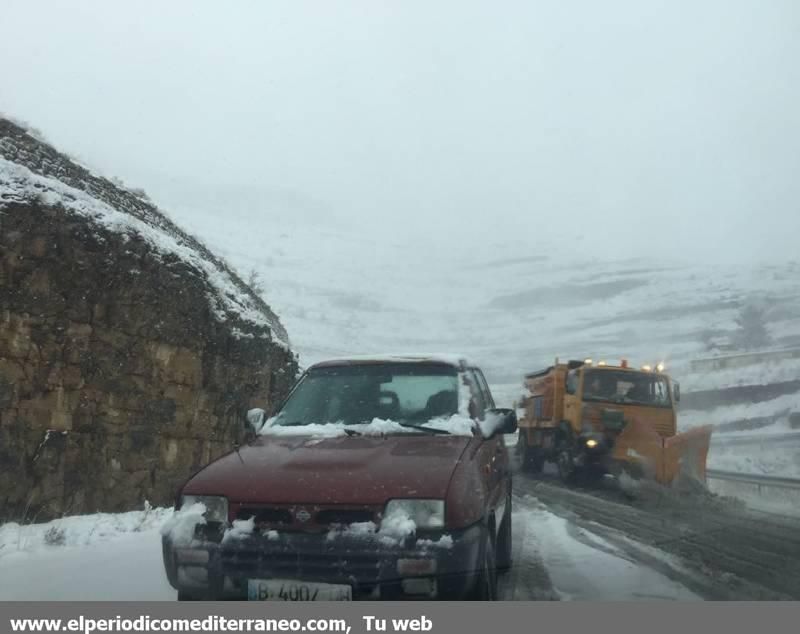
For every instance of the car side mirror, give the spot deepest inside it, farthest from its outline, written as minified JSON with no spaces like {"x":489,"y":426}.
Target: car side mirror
{"x":500,"y":420}
{"x":676,"y":389}
{"x":256,"y":418}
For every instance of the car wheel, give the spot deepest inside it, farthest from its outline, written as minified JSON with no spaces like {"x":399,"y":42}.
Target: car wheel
{"x":505,"y":541}
{"x":486,"y":589}
{"x":169,"y":563}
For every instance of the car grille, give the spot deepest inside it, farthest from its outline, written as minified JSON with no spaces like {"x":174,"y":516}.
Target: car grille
{"x":254,"y":563}
{"x":307,"y":518}
{"x":329,"y":517}
{"x":268,"y":516}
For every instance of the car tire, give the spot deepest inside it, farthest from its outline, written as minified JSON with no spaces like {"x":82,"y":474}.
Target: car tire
{"x":183,"y":595}
{"x":169,"y":563}
{"x":505,"y":542}
{"x":486,"y":587}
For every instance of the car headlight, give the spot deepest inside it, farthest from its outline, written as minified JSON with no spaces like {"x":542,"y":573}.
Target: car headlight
{"x":216,"y":506}
{"x":424,"y":513}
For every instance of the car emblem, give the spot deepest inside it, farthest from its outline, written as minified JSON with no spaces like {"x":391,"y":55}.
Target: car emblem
{"x":302,"y":515}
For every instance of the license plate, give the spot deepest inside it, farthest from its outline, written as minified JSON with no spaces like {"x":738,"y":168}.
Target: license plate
{"x":293,"y":590}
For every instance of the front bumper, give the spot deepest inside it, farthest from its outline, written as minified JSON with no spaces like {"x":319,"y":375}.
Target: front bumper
{"x":374,"y":569}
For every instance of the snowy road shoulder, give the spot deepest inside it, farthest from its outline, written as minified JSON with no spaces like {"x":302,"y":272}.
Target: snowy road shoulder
{"x":102,"y":557}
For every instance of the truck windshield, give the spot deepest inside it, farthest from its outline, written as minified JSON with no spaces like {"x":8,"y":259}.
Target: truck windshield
{"x":640,"y":388}
{"x":402,"y":392}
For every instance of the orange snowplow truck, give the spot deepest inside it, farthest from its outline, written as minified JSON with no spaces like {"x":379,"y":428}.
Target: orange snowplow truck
{"x":611,"y":419}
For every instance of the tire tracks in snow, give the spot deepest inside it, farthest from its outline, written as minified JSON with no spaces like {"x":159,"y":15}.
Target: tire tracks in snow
{"x":717,"y":553}
{"x":528,"y":579}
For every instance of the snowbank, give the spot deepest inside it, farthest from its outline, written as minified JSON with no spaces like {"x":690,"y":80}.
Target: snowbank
{"x":99,"y":557}
{"x":774,"y":459}
{"x":781,"y":406}
{"x":766,"y":373}
{"x":79,"y":530}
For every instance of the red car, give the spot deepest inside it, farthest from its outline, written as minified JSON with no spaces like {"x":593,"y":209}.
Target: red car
{"x":377,"y":478}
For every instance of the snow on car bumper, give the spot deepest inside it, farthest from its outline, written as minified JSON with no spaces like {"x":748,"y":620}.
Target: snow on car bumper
{"x":414,"y":569}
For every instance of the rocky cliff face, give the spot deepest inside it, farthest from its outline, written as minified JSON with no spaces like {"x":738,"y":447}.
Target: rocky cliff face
{"x":128,"y":352}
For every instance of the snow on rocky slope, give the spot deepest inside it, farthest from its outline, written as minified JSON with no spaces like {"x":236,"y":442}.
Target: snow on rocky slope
{"x":30,"y":170}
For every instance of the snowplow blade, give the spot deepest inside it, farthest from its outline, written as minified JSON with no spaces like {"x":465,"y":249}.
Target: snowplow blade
{"x":644,"y":450}
{"x":685,"y":455}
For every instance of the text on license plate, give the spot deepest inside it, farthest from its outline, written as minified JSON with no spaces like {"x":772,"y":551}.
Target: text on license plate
{"x":293,"y":590}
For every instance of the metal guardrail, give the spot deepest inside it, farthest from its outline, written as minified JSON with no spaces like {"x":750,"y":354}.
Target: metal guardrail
{"x":755,"y":439}
{"x":754,"y":478}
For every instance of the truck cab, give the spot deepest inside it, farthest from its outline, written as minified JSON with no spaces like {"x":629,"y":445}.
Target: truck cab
{"x":598,"y":398}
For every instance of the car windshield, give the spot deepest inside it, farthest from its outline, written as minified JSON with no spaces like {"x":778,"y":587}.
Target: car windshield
{"x":638,"y":388}
{"x":353,"y":394}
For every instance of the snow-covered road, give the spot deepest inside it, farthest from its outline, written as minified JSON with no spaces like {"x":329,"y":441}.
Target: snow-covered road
{"x":558,"y":560}
{"x":107,"y":557}
{"x":583,"y":543}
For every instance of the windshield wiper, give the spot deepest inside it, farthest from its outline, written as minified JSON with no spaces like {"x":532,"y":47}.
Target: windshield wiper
{"x":430,"y":430}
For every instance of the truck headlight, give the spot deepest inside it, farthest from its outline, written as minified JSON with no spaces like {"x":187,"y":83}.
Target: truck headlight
{"x":216,"y":506}
{"x":424,"y":513}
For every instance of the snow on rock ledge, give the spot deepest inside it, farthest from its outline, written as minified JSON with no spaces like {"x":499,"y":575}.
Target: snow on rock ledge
{"x":32,"y":171}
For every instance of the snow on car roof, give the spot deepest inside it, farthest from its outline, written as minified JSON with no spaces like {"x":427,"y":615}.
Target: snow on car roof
{"x":456,"y":360}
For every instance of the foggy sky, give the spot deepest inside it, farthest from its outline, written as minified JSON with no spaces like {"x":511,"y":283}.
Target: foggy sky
{"x":664,"y":127}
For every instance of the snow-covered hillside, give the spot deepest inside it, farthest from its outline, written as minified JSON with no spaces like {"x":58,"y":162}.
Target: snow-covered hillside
{"x":512,"y":303}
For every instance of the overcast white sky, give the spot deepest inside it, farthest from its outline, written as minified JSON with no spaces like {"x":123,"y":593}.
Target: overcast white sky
{"x":645,"y":126}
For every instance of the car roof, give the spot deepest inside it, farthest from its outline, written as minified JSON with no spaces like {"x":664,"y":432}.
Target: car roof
{"x":456,"y":360}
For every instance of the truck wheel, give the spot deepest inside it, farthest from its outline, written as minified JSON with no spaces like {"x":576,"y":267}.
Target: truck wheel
{"x":486,"y":588}
{"x":505,"y":541}
{"x":566,"y":466}
{"x":530,"y":457}
{"x":537,"y":460}
{"x":524,"y":451}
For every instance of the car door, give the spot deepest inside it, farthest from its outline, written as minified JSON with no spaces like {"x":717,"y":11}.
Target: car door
{"x":493,"y":454}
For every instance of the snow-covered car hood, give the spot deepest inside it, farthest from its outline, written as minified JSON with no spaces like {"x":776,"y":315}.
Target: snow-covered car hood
{"x":361,"y":470}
